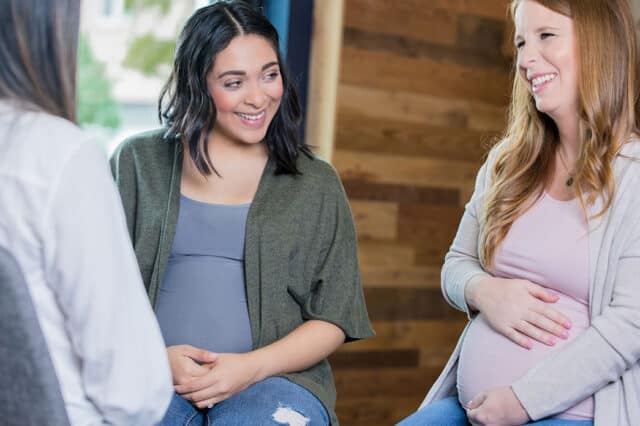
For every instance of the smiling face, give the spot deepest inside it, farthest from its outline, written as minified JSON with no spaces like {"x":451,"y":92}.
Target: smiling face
{"x":548,"y":58}
{"x":246,"y":87}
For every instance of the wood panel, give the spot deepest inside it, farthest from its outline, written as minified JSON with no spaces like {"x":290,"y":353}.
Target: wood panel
{"x":485,"y":8}
{"x":404,"y":170}
{"x":381,"y":383}
{"x":425,"y":222}
{"x":380,"y":358}
{"x":401,"y":276}
{"x":387,"y":136}
{"x":383,"y":16}
{"x":375,"y":219}
{"x":493,"y":58}
{"x":363,"y":190}
{"x":421,"y":109}
{"x":410,"y":334}
{"x":408,"y":303}
{"x":423,"y":91}
{"x":383,"y":253}
{"x":384,"y":70}
{"x":481,"y":34}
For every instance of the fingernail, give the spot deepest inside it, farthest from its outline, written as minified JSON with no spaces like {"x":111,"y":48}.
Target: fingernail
{"x":565,"y":334}
{"x":567,"y":324}
{"x":552,"y":341}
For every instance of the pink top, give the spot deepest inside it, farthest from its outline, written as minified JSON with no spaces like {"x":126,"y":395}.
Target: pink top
{"x":547,"y":245}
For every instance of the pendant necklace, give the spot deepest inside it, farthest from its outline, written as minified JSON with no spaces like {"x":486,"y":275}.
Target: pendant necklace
{"x":569,"y":181}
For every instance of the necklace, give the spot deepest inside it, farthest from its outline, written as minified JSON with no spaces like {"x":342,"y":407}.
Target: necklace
{"x":569,"y":181}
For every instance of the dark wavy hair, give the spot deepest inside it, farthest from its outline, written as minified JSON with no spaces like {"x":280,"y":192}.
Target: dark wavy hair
{"x":185,"y":105}
{"x":38,"y":50}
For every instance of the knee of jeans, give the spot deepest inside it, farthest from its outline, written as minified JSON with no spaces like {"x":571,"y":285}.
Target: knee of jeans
{"x":290,"y":417}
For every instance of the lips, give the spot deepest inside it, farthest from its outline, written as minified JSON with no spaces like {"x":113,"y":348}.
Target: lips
{"x":538,"y":81}
{"x":251,"y":117}
{"x":252,"y":120}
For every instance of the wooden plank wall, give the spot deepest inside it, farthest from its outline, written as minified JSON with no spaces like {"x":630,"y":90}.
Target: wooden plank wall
{"x":423,"y":88}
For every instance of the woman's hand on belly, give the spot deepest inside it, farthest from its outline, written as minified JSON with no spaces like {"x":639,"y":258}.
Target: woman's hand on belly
{"x":188,"y":362}
{"x":518,"y":309}
{"x":228,"y":375}
{"x":497,"y":407}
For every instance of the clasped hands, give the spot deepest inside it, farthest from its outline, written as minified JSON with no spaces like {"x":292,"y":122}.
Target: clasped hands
{"x":205,"y":378}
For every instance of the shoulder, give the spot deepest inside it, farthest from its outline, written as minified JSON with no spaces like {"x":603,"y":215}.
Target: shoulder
{"x":484,"y":176}
{"x":41,"y":133}
{"x":318,"y":173}
{"x":625,"y":207}
{"x":148,"y":142}
{"x":45,"y":126}
{"x":631,"y":150}
{"x":144,"y":151}
{"x":38,"y":146}
{"x":627,"y":170}
{"x":627,"y":163}
{"x":316,"y":188}
{"x":494,"y":153}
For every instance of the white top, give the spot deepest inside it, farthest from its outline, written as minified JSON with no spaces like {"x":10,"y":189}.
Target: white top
{"x":61,"y":217}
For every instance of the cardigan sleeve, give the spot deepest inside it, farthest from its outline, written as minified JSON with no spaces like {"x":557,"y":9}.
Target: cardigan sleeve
{"x":336,"y":294}
{"x":123,"y":170}
{"x":600,"y":355}
{"x":462,"y":262}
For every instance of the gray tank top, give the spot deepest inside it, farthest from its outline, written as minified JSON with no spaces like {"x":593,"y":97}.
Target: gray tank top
{"x":202,"y":301}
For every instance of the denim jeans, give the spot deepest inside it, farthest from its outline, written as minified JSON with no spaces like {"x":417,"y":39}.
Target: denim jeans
{"x":273,"y":401}
{"x":449,"y":412}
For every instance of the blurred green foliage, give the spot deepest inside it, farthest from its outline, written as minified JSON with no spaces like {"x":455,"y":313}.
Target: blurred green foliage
{"x":141,"y":4}
{"x":95,"y":103}
{"x":148,"y":53}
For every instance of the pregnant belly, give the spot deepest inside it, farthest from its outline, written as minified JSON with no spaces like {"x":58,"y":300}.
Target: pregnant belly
{"x":202,"y":303}
{"x":489,"y":360}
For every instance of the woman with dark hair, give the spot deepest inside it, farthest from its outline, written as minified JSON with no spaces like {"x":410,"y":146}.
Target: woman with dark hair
{"x":546,"y":261}
{"x":62,"y":220}
{"x":246,"y":242}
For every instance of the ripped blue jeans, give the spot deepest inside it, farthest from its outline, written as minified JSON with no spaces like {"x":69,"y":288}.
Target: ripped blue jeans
{"x":449,"y":412}
{"x":273,"y":401}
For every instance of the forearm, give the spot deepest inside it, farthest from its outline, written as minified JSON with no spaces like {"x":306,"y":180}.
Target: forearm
{"x":574,"y":373}
{"x":472,"y":293}
{"x":462,"y":267}
{"x":462,"y":262}
{"x":305,"y":346}
{"x":565,"y":379}
{"x":597,"y":357}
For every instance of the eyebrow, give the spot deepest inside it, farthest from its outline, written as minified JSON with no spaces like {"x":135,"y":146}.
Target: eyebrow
{"x":241,"y":73}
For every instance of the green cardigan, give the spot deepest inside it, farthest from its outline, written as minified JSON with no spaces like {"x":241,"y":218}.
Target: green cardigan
{"x":301,"y":259}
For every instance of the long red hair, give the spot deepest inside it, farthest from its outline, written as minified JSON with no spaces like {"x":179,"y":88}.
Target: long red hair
{"x":608,"y":102}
